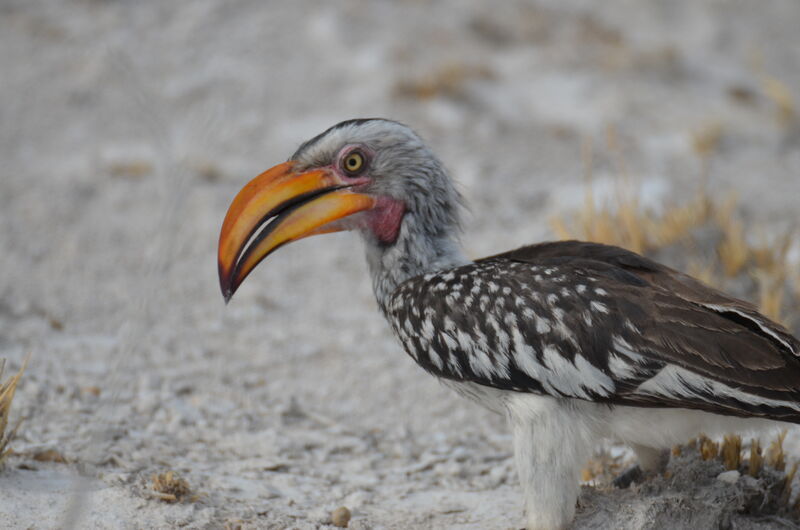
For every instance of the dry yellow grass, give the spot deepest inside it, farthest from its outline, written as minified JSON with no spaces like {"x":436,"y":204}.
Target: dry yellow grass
{"x":709,"y":449}
{"x":7,"y":391}
{"x":731,"y":451}
{"x":448,"y":80}
{"x":786,"y":495}
{"x":775,"y":457}
{"x":703,"y":271}
{"x":756,"y":460}
{"x":770,"y":295}
{"x":706,"y":139}
{"x":737,"y":262}
{"x":677,"y":222}
{"x":170,"y":487}
{"x":781,"y":96}
{"x":733,"y":250}
{"x":771,"y":256}
{"x":602,"y":467}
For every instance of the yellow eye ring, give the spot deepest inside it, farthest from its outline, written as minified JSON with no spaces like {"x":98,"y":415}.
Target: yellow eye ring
{"x":353,"y":163}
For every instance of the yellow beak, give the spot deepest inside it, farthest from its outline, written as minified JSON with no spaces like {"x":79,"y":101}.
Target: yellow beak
{"x":277,"y":207}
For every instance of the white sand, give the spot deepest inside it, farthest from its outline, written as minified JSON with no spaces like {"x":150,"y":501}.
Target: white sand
{"x":127,"y":127}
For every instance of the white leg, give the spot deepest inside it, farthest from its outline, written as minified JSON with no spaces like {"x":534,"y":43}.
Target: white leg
{"x":552,"y":441}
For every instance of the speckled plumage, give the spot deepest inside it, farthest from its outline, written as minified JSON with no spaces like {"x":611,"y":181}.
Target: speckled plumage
{"x":571,"y":341}
{"x":593,"y":329}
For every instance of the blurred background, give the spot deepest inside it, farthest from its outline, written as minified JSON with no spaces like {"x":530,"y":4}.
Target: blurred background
{"x":127,"y":127}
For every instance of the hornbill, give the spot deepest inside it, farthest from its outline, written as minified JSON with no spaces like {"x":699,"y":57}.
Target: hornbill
{"x":571,"y":341}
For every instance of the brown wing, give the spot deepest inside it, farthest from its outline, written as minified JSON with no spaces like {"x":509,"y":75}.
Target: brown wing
{"x":693,"y":328}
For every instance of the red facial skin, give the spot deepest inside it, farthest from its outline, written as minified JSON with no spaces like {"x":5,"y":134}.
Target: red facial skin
{"x":385,"y":218}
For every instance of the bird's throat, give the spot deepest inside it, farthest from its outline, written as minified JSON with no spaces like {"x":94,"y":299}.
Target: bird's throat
{"x":385,"y":218}
{"x":407,"y":248}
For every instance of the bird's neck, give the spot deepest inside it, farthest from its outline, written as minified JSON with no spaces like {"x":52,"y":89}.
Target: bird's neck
{"x":416,"y":251}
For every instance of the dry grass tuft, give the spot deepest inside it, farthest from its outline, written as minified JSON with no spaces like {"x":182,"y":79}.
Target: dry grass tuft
{"x":776,"y":458}
{"x":50,"y":455}
{"x":132,"y":169}
{"x":770,"y":295}
{"x":786,"y":494}
{"x":677,"y":222}
{"x":448,"y":80}
{"x":170,"y":487}
{"x":709,"y":449}
{"x":621,"y":226}
{"x":706,"y":139}
{"x":773,"y":479}
{"x":756,"y":462}
{"x":703,"y":270}
{"x":761,"y":272}
{"x":777,"y":92}
{"x":731,"y":451}
{"x":602,"y":468}
{"x":7,"y":391}
{"x":733,"y":249}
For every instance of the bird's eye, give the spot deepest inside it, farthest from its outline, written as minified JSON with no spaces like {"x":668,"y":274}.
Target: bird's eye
{"x":353,"y":163}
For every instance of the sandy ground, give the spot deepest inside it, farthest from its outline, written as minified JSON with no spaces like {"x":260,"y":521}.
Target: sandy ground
{"x":127,"y":127}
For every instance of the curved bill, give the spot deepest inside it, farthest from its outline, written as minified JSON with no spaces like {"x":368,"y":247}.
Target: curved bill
{"x":278,"y":207}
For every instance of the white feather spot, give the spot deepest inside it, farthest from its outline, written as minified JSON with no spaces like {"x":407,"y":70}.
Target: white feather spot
{"x":484,"y":301}
{"x":449,"y":341}
{"x":436,"y":360}
{"x":542,"y":325}
{"x":428,"y":329}
{"x":573,"y":379}
{"x":620,"y":368}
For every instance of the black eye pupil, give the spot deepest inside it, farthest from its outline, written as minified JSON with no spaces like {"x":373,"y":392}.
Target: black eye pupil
{"x":353,"y":162}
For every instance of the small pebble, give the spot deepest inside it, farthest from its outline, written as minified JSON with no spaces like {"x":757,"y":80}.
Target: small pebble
{"x":729,"y":477}
{"x":340,"y":517}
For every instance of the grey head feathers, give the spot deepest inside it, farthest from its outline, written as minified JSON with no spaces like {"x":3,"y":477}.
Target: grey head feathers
{"x":404,"y":168}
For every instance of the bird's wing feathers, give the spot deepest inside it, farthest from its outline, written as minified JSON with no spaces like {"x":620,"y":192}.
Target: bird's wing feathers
{"x":600,"y":323}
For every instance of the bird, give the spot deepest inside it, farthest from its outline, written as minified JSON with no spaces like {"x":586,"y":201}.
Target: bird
{"x":573,"y":342}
